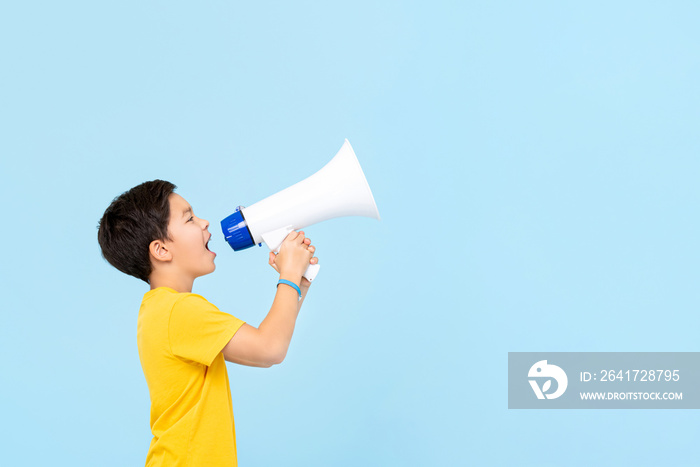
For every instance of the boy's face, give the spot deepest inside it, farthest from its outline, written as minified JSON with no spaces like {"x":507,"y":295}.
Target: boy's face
{"x":189,"y":237}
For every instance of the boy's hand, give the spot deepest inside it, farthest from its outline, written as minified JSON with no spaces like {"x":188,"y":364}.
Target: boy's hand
{"x":294,"y":257}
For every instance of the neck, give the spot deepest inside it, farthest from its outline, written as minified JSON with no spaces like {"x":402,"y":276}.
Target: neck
{"x":179,"y":284}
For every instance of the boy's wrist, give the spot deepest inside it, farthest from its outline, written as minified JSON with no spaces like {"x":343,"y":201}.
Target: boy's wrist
{"x":292,"y":285}
{"x":292,"y":278}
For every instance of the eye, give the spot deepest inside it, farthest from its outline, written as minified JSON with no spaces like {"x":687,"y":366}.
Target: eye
{"x":190,"y":218}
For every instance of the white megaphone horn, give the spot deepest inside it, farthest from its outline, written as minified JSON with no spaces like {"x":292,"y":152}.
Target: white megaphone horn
{"x":338,"y":189}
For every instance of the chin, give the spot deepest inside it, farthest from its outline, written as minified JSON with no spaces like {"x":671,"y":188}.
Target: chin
{"x":209,"y":270}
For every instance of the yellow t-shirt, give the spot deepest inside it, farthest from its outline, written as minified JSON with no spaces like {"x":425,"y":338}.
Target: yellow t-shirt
{"x":180,"y":338}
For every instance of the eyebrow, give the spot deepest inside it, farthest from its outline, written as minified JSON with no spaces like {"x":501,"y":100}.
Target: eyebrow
{"x":189,"y":209}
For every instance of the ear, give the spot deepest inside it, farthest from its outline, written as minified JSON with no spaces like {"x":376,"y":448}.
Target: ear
{"x":159,"y":251}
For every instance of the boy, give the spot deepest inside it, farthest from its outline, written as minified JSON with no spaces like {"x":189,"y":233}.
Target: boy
{"x":152,"y":233}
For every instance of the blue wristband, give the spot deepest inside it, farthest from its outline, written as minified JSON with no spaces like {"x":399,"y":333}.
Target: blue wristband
{"x":291,"y":284}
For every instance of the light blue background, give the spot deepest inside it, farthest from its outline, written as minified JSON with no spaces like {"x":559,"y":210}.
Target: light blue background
{"x":535,"y":166}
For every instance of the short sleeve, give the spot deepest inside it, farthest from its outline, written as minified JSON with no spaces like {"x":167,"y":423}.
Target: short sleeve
{"x":198,"y":330}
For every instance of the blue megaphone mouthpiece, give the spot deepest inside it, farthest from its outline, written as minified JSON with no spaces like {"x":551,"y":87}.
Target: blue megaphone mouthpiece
{"x":236,"y":231}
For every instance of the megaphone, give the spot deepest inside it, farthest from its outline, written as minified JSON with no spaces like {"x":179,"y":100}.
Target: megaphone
{"x":338,"y":189}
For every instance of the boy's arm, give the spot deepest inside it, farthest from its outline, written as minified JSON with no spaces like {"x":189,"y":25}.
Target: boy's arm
{"x":234,"y":359}
{"x":267,"y":345}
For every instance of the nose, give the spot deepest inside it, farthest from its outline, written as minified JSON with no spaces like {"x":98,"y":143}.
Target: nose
{"x":206,"y":223}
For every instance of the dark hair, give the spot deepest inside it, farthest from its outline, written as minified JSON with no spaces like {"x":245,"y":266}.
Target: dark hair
{"x":129,"y":225}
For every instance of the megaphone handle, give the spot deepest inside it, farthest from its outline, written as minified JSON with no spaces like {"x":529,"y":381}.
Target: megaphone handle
{"x":311,"y":272}
{"x":274,"y":241}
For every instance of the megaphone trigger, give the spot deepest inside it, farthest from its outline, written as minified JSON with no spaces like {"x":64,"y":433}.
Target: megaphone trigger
{"x":274,"y":239}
